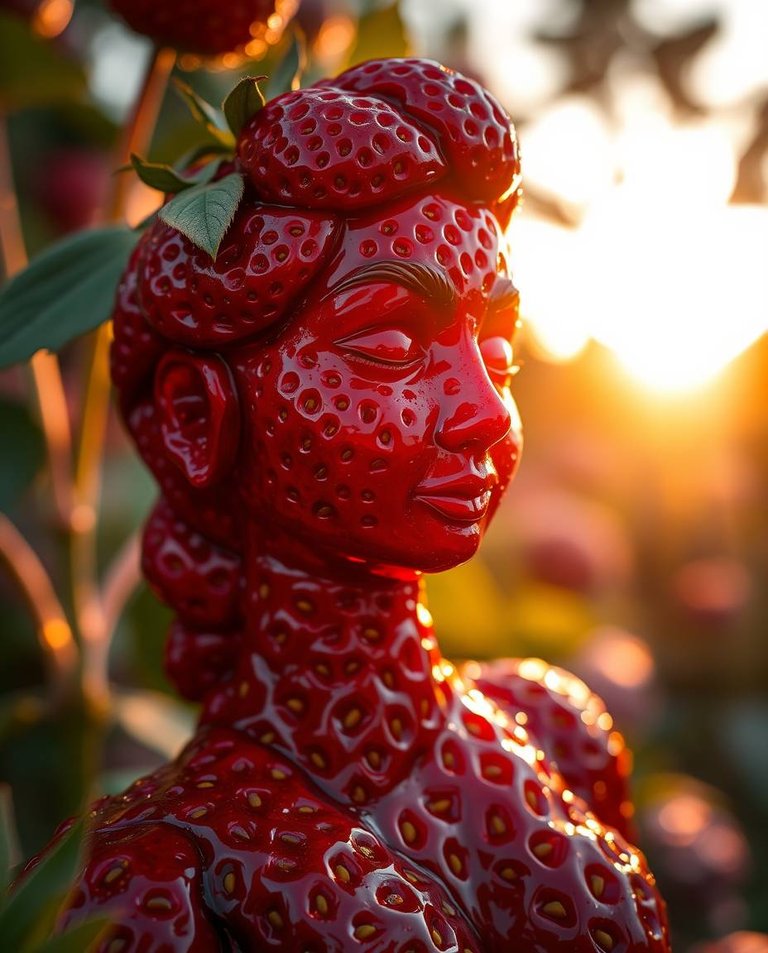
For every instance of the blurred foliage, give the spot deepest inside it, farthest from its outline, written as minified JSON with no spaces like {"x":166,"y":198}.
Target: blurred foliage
{"x":633,"y":547}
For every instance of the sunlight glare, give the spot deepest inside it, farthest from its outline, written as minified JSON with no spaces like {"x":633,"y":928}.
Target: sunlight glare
{"x":544,"y":268}
{"x":677,"y":293}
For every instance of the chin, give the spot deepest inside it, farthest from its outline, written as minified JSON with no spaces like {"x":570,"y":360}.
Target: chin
{"x":447,"y":552}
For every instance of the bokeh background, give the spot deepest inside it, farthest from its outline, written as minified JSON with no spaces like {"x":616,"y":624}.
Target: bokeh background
{"x":633,"y":548}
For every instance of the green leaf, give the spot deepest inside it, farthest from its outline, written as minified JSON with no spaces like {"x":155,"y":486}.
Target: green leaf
{"x":165,"y":178}
{"x":245,"y":100}
{"x":33,"y":72}
{"x":49,"y":881}
{"x":18,"y":470}
{"x":9,"y":847}
{"x":380,"y":32}
{"x":202,"y":112}
{"x":75,"y":940}
{"x":205,"y":212}
{"x":289,"y":70}
{"x":67,"y":290}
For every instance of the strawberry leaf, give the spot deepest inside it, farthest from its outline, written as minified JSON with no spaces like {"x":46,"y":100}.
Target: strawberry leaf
{"x":245,"y":100}
{"x":67,"y":290}
{"x":165,"y":178}
{"x":290,"y":69}
{"x":205,"y":212}
{"x":203,"y":113}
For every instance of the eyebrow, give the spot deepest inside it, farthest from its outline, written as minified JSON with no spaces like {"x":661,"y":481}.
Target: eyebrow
{"x":418,"y":277}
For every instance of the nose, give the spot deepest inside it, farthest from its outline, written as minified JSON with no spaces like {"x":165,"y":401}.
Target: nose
{"x":473,"y":417}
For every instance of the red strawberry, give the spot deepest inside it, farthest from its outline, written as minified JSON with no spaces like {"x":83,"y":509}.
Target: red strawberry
{"x":570,"y":724}
{"x":475,"y":134}
{"x":324,"y":148}
{"x":208,"y":27}
{"x":267,"y":257}
{"x":200,"y":579}
{"x":136,"y":348}
{"x":72,"y":187}
{"x":198,"y":659}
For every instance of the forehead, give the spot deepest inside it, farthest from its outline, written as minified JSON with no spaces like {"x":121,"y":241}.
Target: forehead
{"x":462,"y":241}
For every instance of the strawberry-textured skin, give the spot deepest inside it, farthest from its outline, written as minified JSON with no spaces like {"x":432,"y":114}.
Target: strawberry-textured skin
{"x":136,"y":347}
{"x":327,"y":453}
{"x":200,"y":579}
{"x":207,"y":27}
{"x":147,"y":880}
{"x":571,"y":724}
{"x":233,"y":834}
{"x":347,"y":790}
{"x":325,"y":148}
{"x":266,"y":258}
{"x":197,"y":659}
{"x":474,"y":132}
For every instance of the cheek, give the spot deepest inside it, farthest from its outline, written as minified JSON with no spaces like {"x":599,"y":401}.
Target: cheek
{"x":327,"y":448}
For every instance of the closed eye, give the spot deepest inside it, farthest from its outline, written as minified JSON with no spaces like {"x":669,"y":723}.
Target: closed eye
{"x":389,"y":347}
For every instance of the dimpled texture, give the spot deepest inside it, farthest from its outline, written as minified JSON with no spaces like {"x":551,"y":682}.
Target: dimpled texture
{"x":267,"y":257}
{"x":207,"y":27}
{"x":333,"y":455}
{"x":489,"y":814}
{"x":475,"y":134}
{"x":353,"y":688}
{"x":135,"y":348}
{"x":324,"y":148}
{"x":347,"y":789}
{"x":198,"y":659}
{"x":232,"y":833}
{"x":571,"y":724}
{"x":200,"y":579}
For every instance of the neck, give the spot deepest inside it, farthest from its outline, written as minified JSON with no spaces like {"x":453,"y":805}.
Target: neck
{"x":339,"y":670}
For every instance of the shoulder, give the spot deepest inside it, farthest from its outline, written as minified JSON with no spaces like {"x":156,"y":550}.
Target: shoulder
{"x":146,"y":879}
{"x":234,"y":831}
{"x":570,"y":724}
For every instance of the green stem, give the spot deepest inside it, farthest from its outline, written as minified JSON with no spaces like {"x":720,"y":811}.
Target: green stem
{"x":94,"y":627}
{"x":45,"y":371}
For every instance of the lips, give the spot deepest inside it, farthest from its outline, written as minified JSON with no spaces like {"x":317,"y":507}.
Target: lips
{"x":463,"y":500}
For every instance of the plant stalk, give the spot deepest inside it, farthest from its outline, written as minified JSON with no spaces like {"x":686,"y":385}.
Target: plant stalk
{"x":46,"y":373}
{"x":53,"y":629}
{"x":93,"y":623}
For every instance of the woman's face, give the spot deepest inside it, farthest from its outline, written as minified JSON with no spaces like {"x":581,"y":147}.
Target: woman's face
{"x":379,"y":425}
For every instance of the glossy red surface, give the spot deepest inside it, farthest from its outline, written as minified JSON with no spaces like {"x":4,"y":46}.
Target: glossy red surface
{"x":318,"y":445}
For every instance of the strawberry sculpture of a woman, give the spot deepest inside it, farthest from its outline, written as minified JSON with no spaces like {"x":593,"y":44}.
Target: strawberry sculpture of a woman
{"x":326,"y":409}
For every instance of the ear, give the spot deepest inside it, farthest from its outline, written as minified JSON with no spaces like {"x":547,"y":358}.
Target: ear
{"x":199,"y":415}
